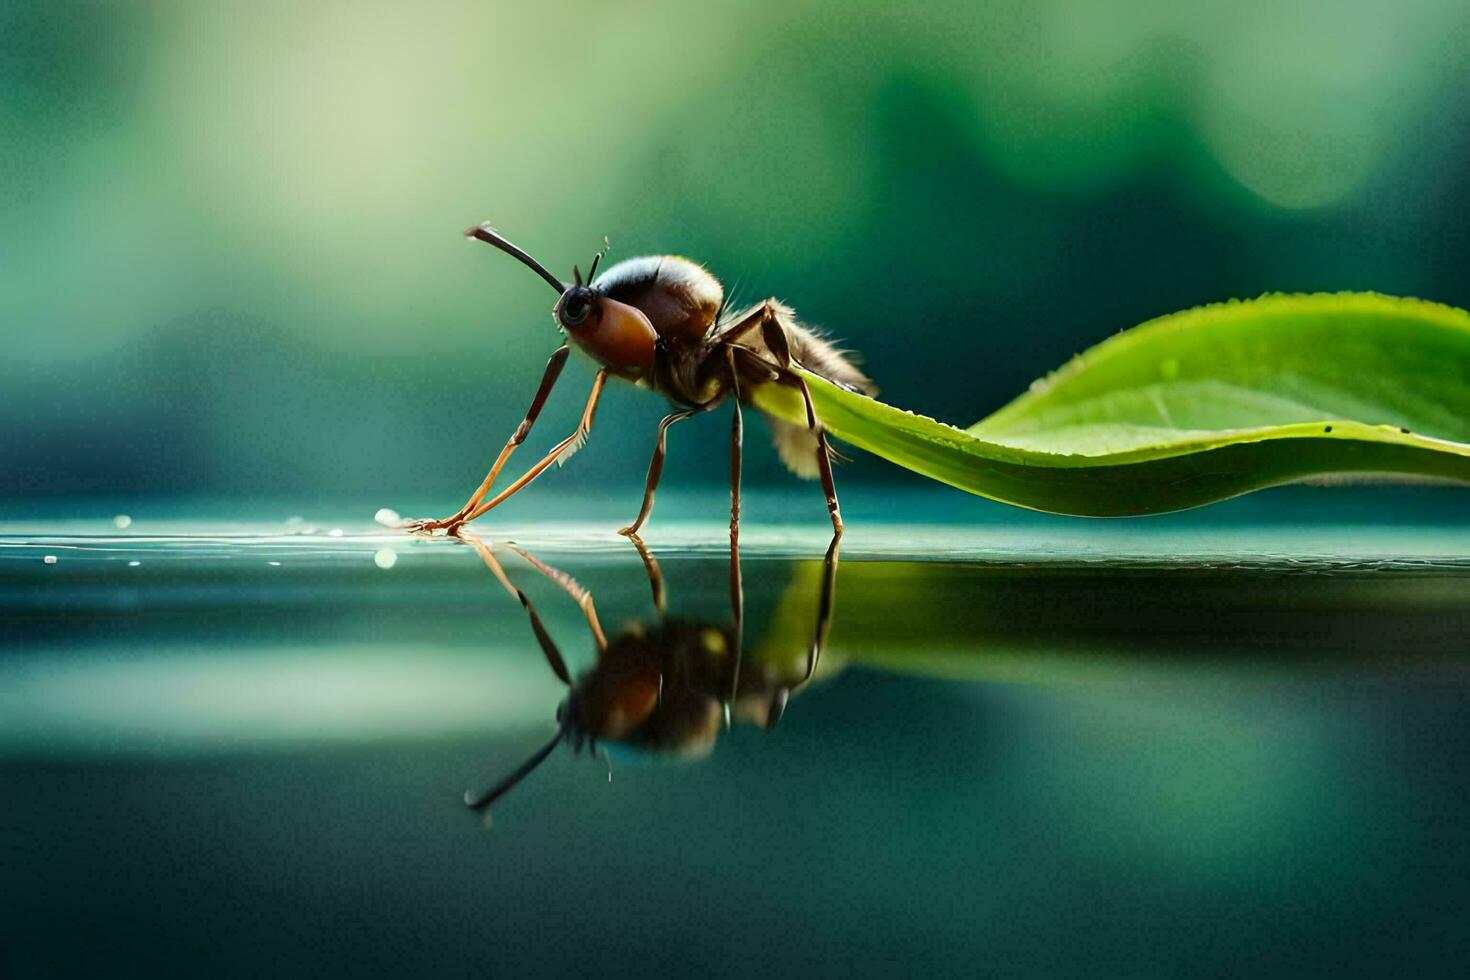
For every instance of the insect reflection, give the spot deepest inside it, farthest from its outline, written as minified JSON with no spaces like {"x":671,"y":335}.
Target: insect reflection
{"x":666,"y":687}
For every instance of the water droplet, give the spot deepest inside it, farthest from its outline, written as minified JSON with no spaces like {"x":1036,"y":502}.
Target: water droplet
{"x":388,"y":517}
{"x":121,"y":521}
{"x":134,"y":564}
{"x":49,"y":559}
{"x":385,"y":558}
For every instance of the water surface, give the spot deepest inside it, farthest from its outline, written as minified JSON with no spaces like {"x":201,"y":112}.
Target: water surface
{"x":1030,"y":746}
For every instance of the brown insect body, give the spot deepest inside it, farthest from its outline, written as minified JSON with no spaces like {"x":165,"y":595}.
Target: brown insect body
{"x":658,"y":689}
{"x":685,"y":305}
{"x":680,"y":297}
{"x":662,"y":322}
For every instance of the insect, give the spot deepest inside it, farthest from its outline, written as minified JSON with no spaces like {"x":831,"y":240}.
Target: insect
{"x":666,"y":688}
{"x":662,"y":322}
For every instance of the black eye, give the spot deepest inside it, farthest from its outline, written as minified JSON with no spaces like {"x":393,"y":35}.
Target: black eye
{"x":575,"y":306}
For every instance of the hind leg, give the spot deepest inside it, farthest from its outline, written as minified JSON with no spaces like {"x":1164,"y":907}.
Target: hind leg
{"x":774,"y":339}
{"x":823,"y":452}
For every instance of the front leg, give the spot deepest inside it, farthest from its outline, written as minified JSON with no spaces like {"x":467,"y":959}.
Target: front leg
{"x":560,"y":453}
{"x":548,"y":380}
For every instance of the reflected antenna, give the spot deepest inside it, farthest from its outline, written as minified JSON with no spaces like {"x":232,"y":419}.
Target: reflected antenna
{"x":482,"y":802}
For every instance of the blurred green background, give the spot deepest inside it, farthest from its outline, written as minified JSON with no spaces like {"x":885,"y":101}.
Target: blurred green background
{"x":232,"y":265}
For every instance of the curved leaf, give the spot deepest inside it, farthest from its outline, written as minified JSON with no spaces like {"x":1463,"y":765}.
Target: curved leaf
{"x":1199,"y":406}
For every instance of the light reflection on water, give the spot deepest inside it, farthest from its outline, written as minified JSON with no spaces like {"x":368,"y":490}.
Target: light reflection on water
{"x":1140,"y":751}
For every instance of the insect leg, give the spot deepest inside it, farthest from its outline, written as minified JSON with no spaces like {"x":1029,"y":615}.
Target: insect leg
{"x":737,"y":588}
{"x":655,"y":574}
{"x":824,"y":455}
{"x":746,"y":324}
{"x":559,"y":453}
{"x":824,"y":607}
{"x":773,"y":335}
{"x":656,"y":469}
{"x":548,"y":646}
{"x":573,"y":588}
{"x":776,"y":707}
{"x":767,"y":319}
{"x":548,"y":379}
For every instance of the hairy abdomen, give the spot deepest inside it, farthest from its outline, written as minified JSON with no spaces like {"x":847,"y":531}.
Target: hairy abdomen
{"x":797,"y":444}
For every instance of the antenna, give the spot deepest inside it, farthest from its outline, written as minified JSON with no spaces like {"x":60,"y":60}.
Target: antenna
{"x":606,"y":247}
{"x":490,"y":236}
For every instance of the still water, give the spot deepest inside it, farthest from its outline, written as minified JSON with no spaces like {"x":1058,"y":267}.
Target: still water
{"x":1225,"y":744}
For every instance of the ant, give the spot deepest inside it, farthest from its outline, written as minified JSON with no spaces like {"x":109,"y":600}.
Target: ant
{"x":662,"y":322}
{"x":664,"y":688}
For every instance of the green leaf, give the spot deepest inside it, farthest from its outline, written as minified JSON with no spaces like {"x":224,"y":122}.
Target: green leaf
{"x":1199,"y":406}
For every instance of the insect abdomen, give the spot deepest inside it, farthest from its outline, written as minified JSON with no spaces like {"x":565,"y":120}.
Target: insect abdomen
{"x":797,"y":444}
{"x":819,"y":356}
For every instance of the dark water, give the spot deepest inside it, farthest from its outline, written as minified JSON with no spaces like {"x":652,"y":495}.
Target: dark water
{"x":1055,"y":747}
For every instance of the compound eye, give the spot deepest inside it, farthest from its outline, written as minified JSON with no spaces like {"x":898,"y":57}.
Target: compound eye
{"x":575,"y":306}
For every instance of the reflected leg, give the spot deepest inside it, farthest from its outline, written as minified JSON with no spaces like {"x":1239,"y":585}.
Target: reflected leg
{"x":573,"y":588}
{"x":777,"y":705}
{"x":655,"y":574}
{"x":824,"y":607}
{"x":548,"y":646}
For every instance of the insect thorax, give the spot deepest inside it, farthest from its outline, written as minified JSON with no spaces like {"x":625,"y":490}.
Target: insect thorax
{"x":680,"y":298}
